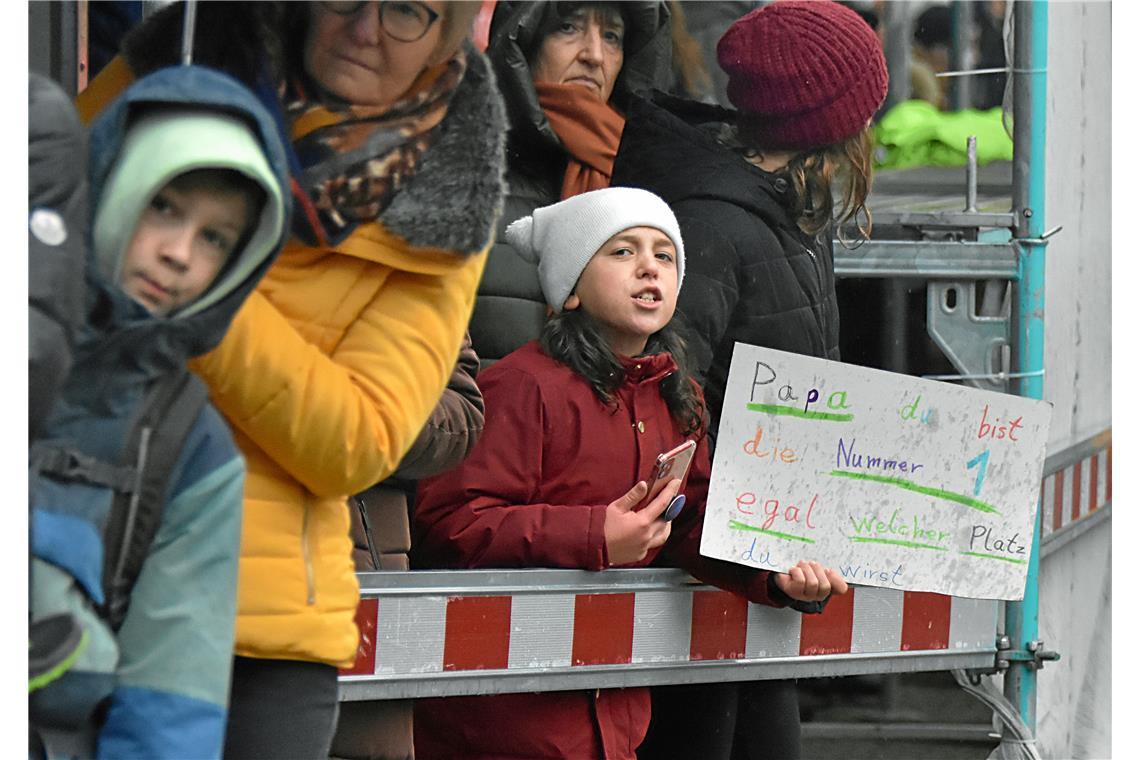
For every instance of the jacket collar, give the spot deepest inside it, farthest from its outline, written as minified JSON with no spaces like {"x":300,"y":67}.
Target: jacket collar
{"x":648,"y":369}
{"x":456,"y":197}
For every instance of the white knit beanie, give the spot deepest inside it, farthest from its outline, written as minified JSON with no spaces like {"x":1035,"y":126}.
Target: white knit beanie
{"x":563,"y":237}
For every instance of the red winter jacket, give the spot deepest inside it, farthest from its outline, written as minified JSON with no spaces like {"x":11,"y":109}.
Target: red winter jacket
{"x":533,"y":493}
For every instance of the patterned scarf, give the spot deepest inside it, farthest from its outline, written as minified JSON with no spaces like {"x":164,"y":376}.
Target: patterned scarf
{"x":589,"y":129}
{"x":354,"y":159}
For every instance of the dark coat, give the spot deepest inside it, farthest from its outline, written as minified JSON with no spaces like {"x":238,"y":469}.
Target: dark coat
{"x":510,"y":309}
{"x":57,"y":241}
{"x":534,"y":493}
{"x":751,"y":275}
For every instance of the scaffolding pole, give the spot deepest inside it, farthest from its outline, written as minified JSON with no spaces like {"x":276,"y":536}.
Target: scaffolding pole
{"x":1029,"y":112}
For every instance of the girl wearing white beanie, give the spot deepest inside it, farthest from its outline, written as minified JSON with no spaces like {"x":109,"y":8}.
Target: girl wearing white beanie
{"x":573,"y":420}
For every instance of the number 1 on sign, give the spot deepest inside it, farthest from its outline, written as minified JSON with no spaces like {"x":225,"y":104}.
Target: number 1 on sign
{"x":981,"y":460}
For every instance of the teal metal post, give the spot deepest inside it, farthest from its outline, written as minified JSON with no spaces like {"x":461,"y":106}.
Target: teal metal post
{"x":1029,"y":109}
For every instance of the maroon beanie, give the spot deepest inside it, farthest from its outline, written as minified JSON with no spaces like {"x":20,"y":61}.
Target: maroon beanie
{"x":803,"y":73}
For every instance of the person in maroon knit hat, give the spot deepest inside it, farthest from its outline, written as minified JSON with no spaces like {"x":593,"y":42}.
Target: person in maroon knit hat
{"x":754,"y":200}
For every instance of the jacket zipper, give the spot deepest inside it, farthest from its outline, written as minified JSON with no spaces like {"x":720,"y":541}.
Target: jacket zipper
{"x":815,"y":266}
{"x":310,"y":585}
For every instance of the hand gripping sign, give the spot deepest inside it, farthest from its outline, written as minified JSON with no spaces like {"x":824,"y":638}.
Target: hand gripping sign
{"x":893,"y":480}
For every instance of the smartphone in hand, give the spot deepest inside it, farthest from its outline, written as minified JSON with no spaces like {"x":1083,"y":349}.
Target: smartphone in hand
{"x":670,"y":465}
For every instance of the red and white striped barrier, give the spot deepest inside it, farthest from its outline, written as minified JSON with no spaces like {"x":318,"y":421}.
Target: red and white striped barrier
{"x":435,"y":633}
{"x":1076,"y":491}
{"x":405,"y":635}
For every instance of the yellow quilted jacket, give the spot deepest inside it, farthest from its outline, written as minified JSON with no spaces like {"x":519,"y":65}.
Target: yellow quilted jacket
{"x":331,"y":367}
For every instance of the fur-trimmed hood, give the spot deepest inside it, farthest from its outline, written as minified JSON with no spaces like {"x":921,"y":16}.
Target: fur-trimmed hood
{"x":454,"y":201}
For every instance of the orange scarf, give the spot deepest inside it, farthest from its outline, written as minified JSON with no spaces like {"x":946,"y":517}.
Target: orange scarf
{"x":589,"y":129}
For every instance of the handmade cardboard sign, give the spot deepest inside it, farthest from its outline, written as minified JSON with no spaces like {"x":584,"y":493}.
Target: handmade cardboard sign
{"x":893,"y":480}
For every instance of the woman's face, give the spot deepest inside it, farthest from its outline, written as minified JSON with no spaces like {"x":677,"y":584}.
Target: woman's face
{"x":354,"y":58}
{"x":585,"y":49}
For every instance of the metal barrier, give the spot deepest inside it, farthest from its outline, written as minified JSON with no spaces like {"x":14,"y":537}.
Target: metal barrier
{"x":1076,"y":492}
{"x":443,"y":633}
{"x":446,"y":633}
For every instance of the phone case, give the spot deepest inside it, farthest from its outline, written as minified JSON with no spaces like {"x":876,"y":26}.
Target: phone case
{"x":669,"y":465}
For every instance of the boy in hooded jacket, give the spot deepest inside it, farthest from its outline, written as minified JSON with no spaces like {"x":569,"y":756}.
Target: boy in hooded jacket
{"x":189,"y":206}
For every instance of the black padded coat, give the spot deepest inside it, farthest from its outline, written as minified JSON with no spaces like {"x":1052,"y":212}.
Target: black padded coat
{"x":751,"y":275}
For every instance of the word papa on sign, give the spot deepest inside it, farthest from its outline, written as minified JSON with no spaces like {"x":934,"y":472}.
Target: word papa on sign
{"x":893,"y":480}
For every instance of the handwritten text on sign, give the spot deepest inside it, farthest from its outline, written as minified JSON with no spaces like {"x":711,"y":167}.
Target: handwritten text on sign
{"x":892,"y":480}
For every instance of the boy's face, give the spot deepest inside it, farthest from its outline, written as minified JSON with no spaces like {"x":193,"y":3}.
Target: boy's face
{"x":181,"y":243}
{"x":630,"y":287}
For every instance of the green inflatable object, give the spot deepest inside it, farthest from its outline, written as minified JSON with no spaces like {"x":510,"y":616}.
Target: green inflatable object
{"x":916,"y":133}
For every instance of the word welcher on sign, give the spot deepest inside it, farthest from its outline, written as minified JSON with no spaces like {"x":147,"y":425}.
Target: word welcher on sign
{"x":893,"y":480}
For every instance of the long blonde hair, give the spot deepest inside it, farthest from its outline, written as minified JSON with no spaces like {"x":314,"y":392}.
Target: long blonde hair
{"x":688,"y":58}
{"x":812,"y":175}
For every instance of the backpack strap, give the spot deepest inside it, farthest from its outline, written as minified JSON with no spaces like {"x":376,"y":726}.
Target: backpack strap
{"x":156,"y":441}
{"x":70,"y":465}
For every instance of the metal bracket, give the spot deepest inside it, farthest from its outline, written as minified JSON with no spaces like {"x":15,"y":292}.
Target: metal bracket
{"x":974,"y":343}
{"x":1035,"y":655}
{"x":1041,"y":655}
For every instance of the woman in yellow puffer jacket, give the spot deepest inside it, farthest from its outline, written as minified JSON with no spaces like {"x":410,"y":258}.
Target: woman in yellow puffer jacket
{"x":334,"y":363}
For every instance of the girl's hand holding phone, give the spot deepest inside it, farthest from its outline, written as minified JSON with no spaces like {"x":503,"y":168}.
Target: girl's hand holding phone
{"x":631,"y":535}
{"x":811,"y":582}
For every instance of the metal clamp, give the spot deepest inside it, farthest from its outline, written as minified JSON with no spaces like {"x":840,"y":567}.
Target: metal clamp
{"x":973,"y":331}
{"x":1041,"y":655}
{"x":1035,"y":655}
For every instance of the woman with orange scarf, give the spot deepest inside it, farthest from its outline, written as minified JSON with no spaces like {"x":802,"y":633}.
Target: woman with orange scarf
{"x":565,"y":70}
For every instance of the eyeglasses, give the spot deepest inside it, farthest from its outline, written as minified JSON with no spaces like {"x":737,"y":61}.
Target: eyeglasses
{"x":403,"y":21}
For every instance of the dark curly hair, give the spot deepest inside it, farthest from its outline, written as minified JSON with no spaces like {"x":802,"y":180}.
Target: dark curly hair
{"x":574,"y":338}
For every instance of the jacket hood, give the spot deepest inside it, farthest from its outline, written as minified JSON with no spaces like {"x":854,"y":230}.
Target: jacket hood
{"x":516,"y":30}
{"x":167,"y":123}
{"x":660,"y":133}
